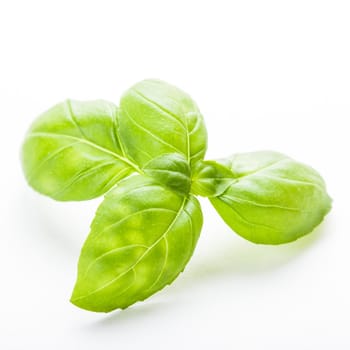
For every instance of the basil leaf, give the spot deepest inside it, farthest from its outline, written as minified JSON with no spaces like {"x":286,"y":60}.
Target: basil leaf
{"x":171,"y":170}
{"x":210,"y":178}
{"x":141,"y":238}
{"x":72,"y":151}
{"x":273,"y":199}
{"x":158,"y":118}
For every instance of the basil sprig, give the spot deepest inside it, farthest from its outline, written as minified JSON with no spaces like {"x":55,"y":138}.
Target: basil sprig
{"x":148,"y":157}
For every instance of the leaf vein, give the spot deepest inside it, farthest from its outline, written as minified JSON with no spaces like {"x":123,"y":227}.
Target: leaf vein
{"x":166,"y":111}
{"x":141,"y":257}
{"x":48,"y":157}
{"x":149,"y":132}
{"x":245,"y":219}
{"x":81,"y":175}
{"x":164,"y":264}
{"x":89,"y":143}
{"x":125,"y":218}
{"x":242,"y":200}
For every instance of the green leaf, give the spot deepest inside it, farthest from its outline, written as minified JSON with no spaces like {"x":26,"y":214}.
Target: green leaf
{"x":72,"y":151}
{"x":273,"y":199}
{"x":141,"y":239}
{"x":171,"y":170}
{"x":210,"y":178}
{"x":157,"y":118}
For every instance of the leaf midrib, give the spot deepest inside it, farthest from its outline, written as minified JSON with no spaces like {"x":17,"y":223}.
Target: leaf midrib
{"x":184,"y":124}
{"x":131,"y":268}
{"x":89,"y":143}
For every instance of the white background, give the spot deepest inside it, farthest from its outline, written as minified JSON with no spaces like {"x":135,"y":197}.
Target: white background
{"x":266,"y":75}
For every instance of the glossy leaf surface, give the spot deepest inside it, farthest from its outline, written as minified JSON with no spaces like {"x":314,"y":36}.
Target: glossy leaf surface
{"x":273,"y":199}
{"x":172,"y":170}
{"x":158,"y":118}
{"x":141,"y":238}
{"x":72,"y":151}
{"x":147,"y":227}
{"x":211,"y":178}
